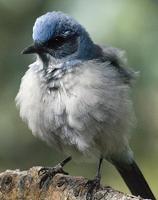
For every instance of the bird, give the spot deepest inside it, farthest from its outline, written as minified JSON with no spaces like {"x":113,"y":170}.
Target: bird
{"x":76,"y":97}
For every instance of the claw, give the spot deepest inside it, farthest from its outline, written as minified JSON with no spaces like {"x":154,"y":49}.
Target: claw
{"x":47,"y":173}
{"x":45,"y":180}
{"x":92,"y":185}
{"x":42,"y":171}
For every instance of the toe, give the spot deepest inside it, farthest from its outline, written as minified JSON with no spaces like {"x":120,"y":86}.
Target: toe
{"x":42,"y":171}
{"x":45,"y":180}
{"x":92,"y":186}
{"x":47,"y":173}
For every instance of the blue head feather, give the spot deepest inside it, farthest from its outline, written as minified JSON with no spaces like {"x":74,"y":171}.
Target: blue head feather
{"x":53,"y":24}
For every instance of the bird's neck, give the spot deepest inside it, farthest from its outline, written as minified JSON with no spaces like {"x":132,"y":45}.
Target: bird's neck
{"x":87,"y":49}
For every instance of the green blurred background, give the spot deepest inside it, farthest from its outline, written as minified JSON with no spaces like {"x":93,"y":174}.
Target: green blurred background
{"x":128,"y":24}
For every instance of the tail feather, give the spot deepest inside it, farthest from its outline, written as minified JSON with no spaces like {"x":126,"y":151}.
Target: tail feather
{"x":134,"y":179}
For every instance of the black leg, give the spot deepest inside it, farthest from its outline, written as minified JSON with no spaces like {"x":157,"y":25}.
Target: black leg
{"x":95,"y":183}
{"x":99,"y":167}
{"x":47,"y":173}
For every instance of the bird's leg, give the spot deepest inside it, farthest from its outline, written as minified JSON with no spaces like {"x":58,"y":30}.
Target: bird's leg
{"x":94,"y":183}
{"x":47,"y":173}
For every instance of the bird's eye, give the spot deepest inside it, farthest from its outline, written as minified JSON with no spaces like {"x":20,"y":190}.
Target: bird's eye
{"x":59,"y":39}
{"x":56,"y":42}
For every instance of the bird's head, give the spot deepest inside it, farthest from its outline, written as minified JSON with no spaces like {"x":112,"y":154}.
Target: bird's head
{"x":60,"y":36}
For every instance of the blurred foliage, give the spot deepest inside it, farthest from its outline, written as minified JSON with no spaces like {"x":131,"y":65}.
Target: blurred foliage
{"x":128,"y":24}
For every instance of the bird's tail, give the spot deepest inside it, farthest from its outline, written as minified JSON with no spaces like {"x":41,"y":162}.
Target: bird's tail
{"x":134,"y":179}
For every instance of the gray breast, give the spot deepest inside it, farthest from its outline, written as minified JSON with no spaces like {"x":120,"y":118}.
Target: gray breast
{"x":88,"y":109}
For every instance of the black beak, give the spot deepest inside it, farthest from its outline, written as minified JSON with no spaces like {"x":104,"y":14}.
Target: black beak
{"x":34,"y":48}
{"x":29,"y":50}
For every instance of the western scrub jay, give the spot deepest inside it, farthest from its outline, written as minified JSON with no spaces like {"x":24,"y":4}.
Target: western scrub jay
{"x":75,"y":96}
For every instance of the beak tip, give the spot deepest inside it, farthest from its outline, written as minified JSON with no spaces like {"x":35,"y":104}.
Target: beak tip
{"x":22,"y":52}
{"x":29,"y":50}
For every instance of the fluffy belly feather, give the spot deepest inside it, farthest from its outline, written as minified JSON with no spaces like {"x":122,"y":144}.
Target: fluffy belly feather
{"x":87,"y":109}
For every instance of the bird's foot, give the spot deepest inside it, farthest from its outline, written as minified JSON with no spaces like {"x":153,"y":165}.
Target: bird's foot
{"x":47,"y":173}
{"x":92,"y":186}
